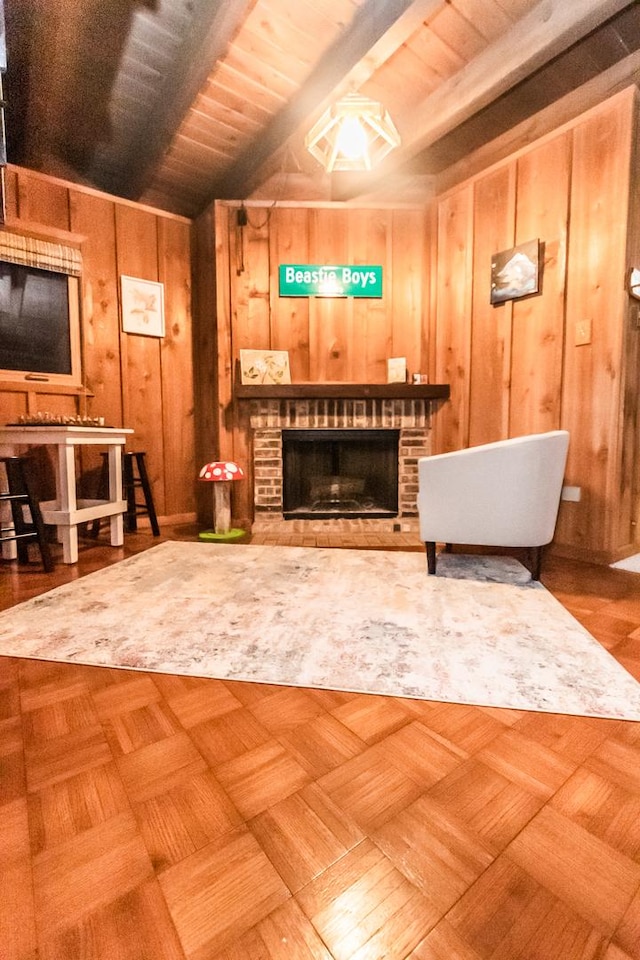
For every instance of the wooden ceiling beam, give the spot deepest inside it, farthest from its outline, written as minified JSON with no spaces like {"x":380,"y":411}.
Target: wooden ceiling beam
{"x":621,"y":76}
{"x":401,"y":30}
{"x":213,"y":26}
{"x":398,"y":33}
{"x":63,"y":58}
{"x":551,"y":27}
{"x":372,"y":22}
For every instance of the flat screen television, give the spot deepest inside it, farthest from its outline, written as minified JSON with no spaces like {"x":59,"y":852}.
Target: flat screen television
{"x":39,"y":325}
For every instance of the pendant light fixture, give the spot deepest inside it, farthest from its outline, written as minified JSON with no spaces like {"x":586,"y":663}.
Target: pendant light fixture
{"x":353,"y":134}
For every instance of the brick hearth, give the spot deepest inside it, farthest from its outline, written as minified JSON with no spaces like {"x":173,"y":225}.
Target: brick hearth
{"x":269,"y":417}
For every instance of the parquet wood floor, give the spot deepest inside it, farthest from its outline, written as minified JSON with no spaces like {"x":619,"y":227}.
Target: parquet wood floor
{"x":157,"y":817}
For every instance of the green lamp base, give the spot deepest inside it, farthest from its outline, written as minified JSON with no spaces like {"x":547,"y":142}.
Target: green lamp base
{"x":234,"y":534}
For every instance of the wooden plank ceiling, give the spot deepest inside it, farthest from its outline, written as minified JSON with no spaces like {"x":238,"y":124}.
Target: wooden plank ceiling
{"x":179,"y":102}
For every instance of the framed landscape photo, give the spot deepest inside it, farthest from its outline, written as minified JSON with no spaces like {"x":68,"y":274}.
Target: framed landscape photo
{"x":142,"y":306}
{"x":515,"y":272}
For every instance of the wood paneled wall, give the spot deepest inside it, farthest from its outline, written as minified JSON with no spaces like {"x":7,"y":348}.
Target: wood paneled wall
{"x":133,"y":381}
{"x":342,"y":339}
{"x":516,"y":368}
{"x":513,"y":368}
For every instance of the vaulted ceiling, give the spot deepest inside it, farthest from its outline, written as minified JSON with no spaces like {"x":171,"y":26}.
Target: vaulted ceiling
{"x":178,"y":102}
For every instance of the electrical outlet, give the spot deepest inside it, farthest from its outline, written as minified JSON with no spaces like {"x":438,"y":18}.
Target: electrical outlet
{"x":583,"y":332}
{"x":573,"y":494}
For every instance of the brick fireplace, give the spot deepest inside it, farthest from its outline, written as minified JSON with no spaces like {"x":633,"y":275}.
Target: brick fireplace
{"x":408,"y":416}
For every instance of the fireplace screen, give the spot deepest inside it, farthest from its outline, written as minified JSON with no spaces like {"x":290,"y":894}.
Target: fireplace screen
{"x":340,"y":473}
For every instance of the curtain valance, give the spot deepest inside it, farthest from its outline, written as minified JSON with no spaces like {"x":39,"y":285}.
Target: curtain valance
{"x":41,"y":254}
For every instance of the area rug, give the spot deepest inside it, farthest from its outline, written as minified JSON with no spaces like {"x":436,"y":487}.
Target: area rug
{"x":629,"y":563}
{"x":367,"y":621}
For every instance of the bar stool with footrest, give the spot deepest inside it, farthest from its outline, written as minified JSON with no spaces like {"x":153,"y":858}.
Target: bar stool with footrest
{"x":134,"y":478}
{"x":19,"y":494}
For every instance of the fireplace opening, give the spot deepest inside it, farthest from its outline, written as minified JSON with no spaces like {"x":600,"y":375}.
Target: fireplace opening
{"x":340,"y":473}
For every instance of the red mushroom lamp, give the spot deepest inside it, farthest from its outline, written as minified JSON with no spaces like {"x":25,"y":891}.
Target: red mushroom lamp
{"x":221,"y":473}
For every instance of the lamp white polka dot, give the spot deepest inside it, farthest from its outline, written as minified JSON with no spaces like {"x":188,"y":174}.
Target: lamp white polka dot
{"x":221,"y":473}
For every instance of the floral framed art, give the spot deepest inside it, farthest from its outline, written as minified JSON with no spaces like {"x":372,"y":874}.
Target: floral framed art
{"x":264,"y":366}
{"x":142,"y":306}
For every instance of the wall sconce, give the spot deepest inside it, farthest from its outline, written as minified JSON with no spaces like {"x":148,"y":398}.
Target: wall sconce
{"x":354,"y":134}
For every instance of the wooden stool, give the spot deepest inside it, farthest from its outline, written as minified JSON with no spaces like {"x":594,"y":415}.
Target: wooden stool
{"x":132,"y":481}
{"x":134,"y":477}
{"x":19,"y":494}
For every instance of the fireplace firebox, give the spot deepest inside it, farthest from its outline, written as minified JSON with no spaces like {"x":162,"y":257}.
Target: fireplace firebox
{"x":340,"y":473}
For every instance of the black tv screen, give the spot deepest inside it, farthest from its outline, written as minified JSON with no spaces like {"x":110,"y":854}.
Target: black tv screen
{"x":35,"y":333}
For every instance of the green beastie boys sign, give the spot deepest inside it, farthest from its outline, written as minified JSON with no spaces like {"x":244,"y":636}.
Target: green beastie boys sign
{"x":311,"y":280}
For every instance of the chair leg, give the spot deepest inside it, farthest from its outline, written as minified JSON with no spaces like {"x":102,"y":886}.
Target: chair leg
{"x":38,"y":523}
{"x":536,"y":562}
{"x":131,"y":520}
{"x":20,"y":526}
{"x":130,"y":484}
{"x":148,"y":497}
{"x":431,"y":556}
{"x":19,"y":482}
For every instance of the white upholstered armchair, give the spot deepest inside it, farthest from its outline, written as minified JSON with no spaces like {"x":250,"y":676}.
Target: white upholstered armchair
{"x":503,"y":494}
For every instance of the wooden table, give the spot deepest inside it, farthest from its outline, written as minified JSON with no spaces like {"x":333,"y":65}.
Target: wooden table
{"x":67,"y":511}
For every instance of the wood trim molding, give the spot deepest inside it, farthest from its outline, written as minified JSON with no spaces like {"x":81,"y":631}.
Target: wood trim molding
{"x":343,"y":391}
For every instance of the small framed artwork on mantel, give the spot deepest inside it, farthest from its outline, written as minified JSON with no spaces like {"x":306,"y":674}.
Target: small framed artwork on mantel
{"x":265,"y":366}
{"x":142,"y":306}
{"x":397,"y":370}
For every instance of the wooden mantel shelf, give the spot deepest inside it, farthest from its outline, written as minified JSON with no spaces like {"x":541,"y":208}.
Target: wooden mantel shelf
{"x":334,"y":390}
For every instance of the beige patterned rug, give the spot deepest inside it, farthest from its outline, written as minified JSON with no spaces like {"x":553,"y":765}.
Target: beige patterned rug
{"x":481,"y":632}
{"x":629,"y":563}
